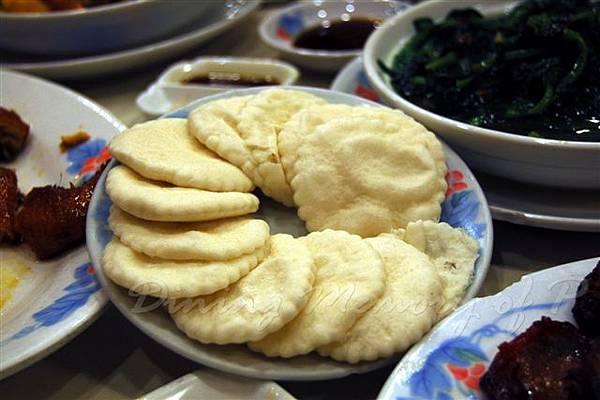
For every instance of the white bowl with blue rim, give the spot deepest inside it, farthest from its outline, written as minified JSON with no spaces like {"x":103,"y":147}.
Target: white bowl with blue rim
{"x":279,"y":29}
{"x":465,"y":207}
{"x":554,"y":163}
{"x":58,"y":298}
{"x":449,"y":362}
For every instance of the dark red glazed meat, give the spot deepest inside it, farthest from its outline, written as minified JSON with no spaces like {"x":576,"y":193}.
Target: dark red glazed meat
{"x":9,"y":201}
{"x":545,"y":362}
{"x":592,"y":372}
{"x":52,"y":219}
{"x":587,"y":306}
{"x":13,"y":134}
{"x":589,"y":375}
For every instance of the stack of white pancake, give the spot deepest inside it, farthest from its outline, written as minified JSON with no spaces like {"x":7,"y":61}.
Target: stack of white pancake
{"x":371,"y":279}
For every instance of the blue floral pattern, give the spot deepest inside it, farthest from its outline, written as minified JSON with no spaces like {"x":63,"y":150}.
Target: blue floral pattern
{"x":444,"y":374}
{"x":85,"y":158}
{"x":289,"y":25}
{"x":101,"y":214}
{"x":461,"y":207}
{"x":364,"y":89}
{"x":362,"y":79}
{"x":77,"y":294}
{"x":178,"y":114}
{"x":460,"y":210}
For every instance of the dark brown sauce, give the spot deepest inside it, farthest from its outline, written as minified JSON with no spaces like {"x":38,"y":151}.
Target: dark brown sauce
{"x":231,"y":79}
{"x":338,"y":35}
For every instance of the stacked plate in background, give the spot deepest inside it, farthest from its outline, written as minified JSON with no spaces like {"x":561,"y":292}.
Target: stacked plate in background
{"x":82,"y":44}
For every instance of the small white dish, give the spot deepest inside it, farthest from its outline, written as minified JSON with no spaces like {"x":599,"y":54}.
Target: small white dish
{"x":279,"y":29}
{"x":449,"y":362}
{"x":169,"y":93}
{"x":555,"y":163}
{"x":570,"y":210}
{"x":58,"y":298}
{"x":210,"y":384}
{"x":465,"y":206}
{"x":231,"y":14}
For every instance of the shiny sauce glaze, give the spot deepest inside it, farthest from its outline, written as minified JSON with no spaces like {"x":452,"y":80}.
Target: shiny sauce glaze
{"x":230,"y":79}
{"x":337,"y":35}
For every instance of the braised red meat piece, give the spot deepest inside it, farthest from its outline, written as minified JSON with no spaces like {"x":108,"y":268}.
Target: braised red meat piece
{"x":592,"y":372}
{"x":13,"y":134}
{"x":587,"y":306}
{"x":545,"y":362}
{"x":589,"y":375}
{"x":53,"y":218}
{"x":9,"y":201}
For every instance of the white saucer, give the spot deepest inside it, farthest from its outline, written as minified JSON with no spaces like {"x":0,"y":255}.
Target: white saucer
{"x":518,"y":203}
{"x":168,"y":94}
{"x":233,"y":13}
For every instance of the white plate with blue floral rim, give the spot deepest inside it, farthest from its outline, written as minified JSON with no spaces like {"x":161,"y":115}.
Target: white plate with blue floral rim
{"x":570,"y":210}
{"x":55,"y":299}
{"x":449,"y":362}
{"x":465,"y":206}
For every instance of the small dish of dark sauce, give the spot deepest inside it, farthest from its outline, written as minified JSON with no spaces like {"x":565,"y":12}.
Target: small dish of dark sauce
{"x":337,"y":35}
{"x":230,"y":79}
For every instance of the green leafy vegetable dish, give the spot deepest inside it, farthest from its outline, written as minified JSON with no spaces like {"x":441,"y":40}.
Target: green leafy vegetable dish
{"x":534,"y":71}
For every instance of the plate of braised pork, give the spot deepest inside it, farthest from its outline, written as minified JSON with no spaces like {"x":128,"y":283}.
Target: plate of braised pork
{"x":537,"y":339}
{"x":52,"y":150}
